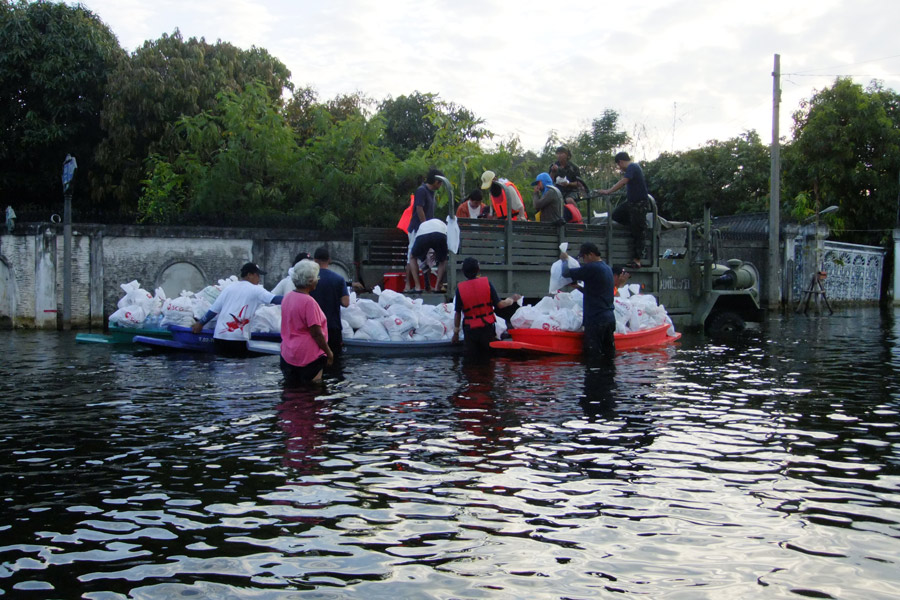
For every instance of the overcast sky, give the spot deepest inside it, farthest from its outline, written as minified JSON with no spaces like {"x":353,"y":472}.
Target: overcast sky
{"x":678,"y":73}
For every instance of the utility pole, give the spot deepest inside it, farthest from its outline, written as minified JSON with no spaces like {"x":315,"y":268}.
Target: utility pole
{"x":69,"y":167}
{"x":774,"y":278}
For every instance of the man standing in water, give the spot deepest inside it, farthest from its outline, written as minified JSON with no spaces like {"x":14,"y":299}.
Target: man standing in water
{"x":633,"y":212}
{"x":237,"y":303}
{"x":331,"y":294}
{"x":599,"y":314}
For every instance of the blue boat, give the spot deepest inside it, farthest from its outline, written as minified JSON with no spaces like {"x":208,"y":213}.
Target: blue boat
{"x":185,"y":340}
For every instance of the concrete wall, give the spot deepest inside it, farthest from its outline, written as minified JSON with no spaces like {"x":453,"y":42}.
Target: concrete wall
{"x":104,"y":257}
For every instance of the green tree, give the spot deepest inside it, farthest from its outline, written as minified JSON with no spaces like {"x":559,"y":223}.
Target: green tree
{"x":162,"y":81}
{"x":596,"y":147}
{"x":732,"y":176}
{"x":406,"y":123}
{"x":846,"y":152}
{"x":54,"y":64}
{"x":237,"y":159}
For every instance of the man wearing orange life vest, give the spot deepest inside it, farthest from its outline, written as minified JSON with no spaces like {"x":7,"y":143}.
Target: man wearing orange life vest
{"x":475,"y":301}
{"x":504,"y":196}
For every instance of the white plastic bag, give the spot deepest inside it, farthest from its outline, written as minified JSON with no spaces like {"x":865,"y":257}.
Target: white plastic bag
{"x":452,"y":234}
{"x":546,"y":305}
{"x":346,"y":329}
{"x":375,"y":330}
{"x":179,"y":311}
{"x":557,"y":281}
{"x":388,"y":298}
{"x":129,"y":316}
{"x":354,"y":316}
{"x":371,"y":309}
{"x":430,"y":328}
{"x":524,"y":317}
{"x":266,"y":319}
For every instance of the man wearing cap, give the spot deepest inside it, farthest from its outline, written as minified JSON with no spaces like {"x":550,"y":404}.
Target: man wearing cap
{"x":633,"y":212}
{"x":505,"y":197}
{"x":599,"y":314}
{"x":237,"y":303}
{"x":565,"y":173}
{"x":287,"y":284}
{"x":548,"y":200}
{"x":331,"y":294}
{"x":476,"y":299}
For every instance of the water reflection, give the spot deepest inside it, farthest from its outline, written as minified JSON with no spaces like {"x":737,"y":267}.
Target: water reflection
{"x":765,"y":465}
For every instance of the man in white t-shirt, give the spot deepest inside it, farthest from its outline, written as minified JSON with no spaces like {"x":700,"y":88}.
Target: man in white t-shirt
{"x":431,"y":235}
{"x":237,"y":303}
{"x":286,"y":285}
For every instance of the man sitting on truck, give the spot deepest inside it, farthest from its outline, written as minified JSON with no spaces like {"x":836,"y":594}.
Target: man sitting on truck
{"x":548,"y":201}
{"x":599,"y":313}
{"x":476,"y":300}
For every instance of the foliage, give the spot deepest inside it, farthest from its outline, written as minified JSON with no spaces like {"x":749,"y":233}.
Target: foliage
{"x":237,"y":158}
{"x":596,"y":148}
{"x":732,"y":176}
{"x":54,"y":64}
{"x":162,"y":81}
{"x":846,"y":152}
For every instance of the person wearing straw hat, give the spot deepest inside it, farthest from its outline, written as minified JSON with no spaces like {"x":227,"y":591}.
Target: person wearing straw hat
{"x":505,"y":197}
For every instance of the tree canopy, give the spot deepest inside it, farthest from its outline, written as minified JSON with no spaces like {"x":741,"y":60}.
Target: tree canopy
{"x":161,"y":82}
{"x":54,"y":67}
{"x":846,"y":153}
{"x":188,"y":131}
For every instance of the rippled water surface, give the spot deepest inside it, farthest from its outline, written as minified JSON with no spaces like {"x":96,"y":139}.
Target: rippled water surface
{"x":762,"y":467}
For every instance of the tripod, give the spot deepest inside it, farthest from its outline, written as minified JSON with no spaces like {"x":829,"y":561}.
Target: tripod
{"x":816,"y":288}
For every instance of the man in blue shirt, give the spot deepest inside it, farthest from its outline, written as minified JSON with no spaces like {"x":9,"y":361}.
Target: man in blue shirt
{"x":599,"y":314}
{"x":633,"y":212}
{"x":331,"y":294}
{"x":423,"y":210}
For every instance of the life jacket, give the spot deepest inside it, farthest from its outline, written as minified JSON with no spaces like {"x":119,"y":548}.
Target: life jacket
{"x":499,"y":203}
{"x":476,"y":302}
{"x":406,"y":217}
{"x":573,"y":214}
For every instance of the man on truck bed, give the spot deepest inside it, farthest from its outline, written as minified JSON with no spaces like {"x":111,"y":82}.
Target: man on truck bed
{"x":423,"y":210}
{"x":633,"y":212}
{"x":548,"y":201}
{"x":505,"y":197}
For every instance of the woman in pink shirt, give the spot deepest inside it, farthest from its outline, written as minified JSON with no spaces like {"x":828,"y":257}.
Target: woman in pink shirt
{"x":304,"y":329}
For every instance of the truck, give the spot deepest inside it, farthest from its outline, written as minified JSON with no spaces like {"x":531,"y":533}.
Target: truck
{"x":697,"y":291}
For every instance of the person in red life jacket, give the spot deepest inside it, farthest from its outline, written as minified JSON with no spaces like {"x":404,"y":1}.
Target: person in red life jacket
{"x":571,"y":212}
{"x":476,"y":300}
{"x":472,"y":207}
{"x":505,"y":197}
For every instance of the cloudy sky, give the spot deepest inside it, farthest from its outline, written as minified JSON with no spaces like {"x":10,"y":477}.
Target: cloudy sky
{"x":678,"y":73}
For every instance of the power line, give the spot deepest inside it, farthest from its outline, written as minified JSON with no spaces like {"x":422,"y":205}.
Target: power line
{"x":862,"y":62}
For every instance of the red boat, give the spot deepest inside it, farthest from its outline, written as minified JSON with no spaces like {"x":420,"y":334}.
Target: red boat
{"x":570,"y":342}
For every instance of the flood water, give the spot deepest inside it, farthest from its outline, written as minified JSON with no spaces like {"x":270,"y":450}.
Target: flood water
{"x":761,"y":467}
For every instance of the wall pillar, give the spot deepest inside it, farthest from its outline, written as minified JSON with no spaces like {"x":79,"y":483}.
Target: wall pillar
{"x":45,"y":302}
{"x":96,"y":279}
{"x":897,"y":266}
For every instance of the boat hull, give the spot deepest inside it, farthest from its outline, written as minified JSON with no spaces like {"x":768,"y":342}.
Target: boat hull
{"x":571,"y":342}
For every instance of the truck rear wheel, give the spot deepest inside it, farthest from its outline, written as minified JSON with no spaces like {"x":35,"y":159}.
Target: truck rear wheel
{"x":724,"y":323}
